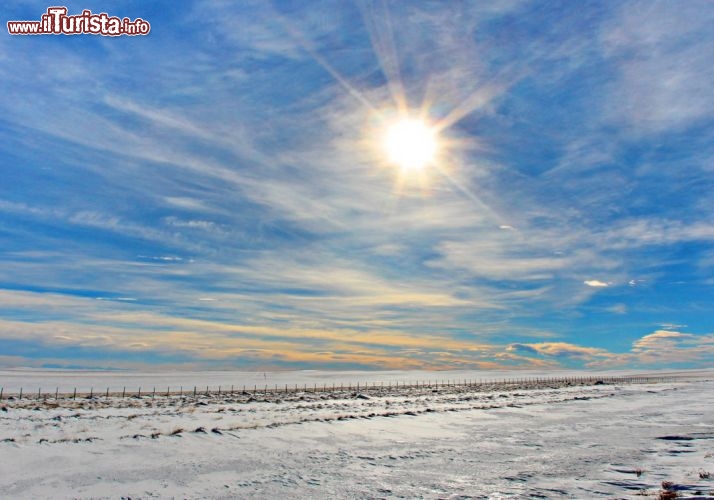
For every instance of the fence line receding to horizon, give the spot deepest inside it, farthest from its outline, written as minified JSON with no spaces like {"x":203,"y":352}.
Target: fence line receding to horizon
{"x":369,"y":387}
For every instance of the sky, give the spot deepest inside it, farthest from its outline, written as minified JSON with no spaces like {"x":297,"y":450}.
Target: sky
{"x":217,"y":194}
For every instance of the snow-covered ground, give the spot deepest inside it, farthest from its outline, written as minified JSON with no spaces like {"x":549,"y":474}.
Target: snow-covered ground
{"x":533,"y":440}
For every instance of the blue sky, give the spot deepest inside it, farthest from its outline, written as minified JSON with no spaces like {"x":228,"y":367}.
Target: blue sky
{"x":216,"y":194}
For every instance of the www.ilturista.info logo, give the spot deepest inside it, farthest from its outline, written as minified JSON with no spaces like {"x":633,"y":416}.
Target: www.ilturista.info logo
{"x":57,"y":22}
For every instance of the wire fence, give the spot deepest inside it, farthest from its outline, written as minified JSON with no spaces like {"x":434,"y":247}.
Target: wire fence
{"x":352,"y":387}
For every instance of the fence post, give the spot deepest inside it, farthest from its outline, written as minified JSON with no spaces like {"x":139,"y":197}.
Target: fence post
{"x":139,"y":394}
{"x":56,"y":392}
{"x":20,"y":392}
{"x":39,"y":393}
{"x":153,"y":393}
{"x":123,"y":392}
{"x":1,"y":390}
{"x":107,"y":395}
{"x":74,"y":394}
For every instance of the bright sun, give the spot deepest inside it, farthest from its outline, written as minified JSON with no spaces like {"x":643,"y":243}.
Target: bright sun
{"x":411,"y":144}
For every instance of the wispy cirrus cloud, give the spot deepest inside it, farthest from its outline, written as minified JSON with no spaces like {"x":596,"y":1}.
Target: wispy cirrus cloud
{"x":665,"y":79}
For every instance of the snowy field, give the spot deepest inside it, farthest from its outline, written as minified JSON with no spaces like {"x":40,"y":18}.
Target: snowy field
{"x":527,"y":440}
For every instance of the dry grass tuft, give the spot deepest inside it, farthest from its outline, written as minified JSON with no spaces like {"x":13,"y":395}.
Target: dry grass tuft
{"x":667,"y":492}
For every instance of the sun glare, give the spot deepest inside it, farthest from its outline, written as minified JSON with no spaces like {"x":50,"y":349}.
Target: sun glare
{"x":411,"y":144}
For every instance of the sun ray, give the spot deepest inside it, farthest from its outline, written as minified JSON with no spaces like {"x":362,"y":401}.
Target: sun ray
{"x":385,"y":50}
{"x":483,"y":207}
{"x":306,"y":46}
{"x":476,"y":100}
